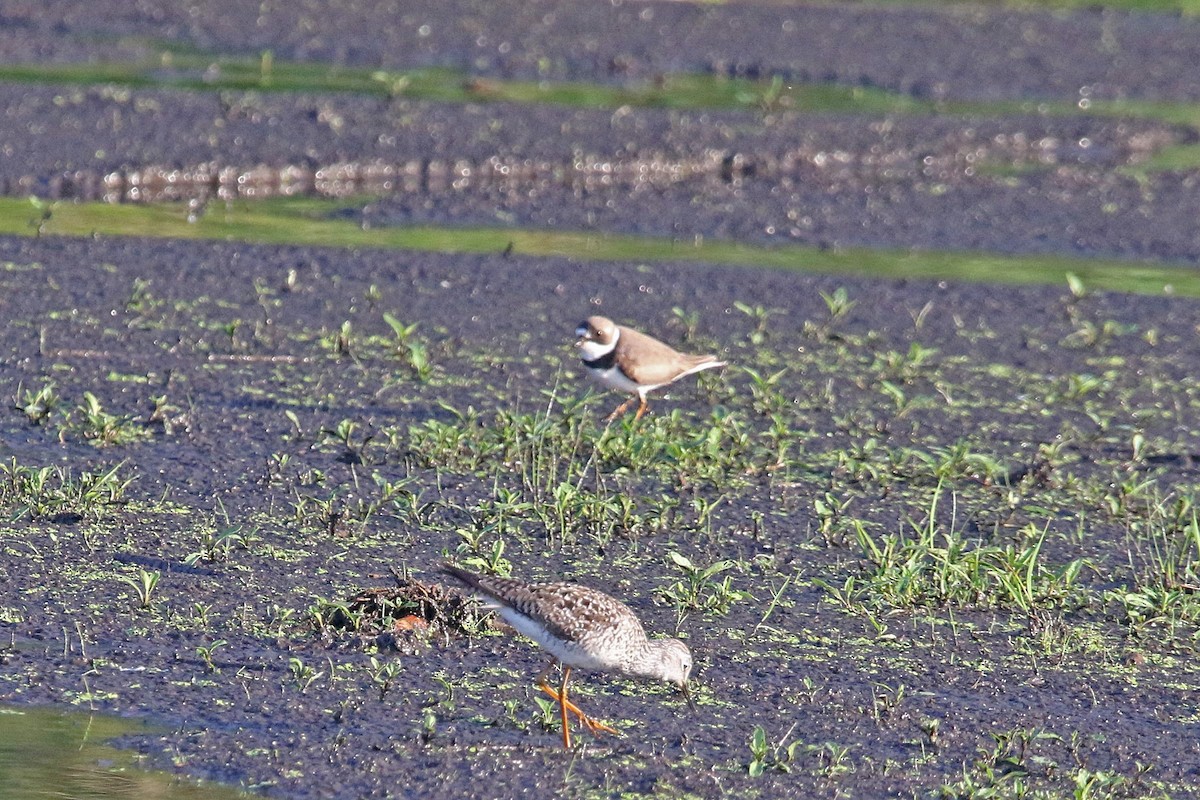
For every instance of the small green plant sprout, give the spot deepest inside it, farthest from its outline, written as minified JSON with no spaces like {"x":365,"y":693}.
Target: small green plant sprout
{"x":511,"y":706}
{"x":429,"y":723}
{"x":302,"y":674}
{"x":833,"y":758}
{"x":217,"y":546}
{"x":764,"y":755}
{"x":886,"y":700}
{"x":200,"y":614}
{"x":266,"y":66}
{"x":1075,"y":286}
{"x":102,"y":428}
{"x":230,"y":330}
{"x":52,"y":493}
{"x":206,"y":654}
{"x":831,"y":513}
{"x":896,"y":394}
{"x":904,"y":366}
{"x":45,"y":214}
{"x":699,"y":589}
{"x":344,"y":339}
{"x":838,"y":305}
{"x":761,"y":316}
{"x":402,"y":502}
{"x":411,"y":349}
{"x":143,"y":587}
{"x":768,"y":98}
{"x":489,"y":560}
{"x":688,"y":321}
{"x":765,"y":396}
{"x":37,"y":405}
{"x":1139,"y":447}
{"x":345,"y":433}
{"x":547,"y":714}
{"x":931,"y":727}
{"x":340,"y":342}
{"x":167,"y":415}
{"x":326,"y":615}
{"x":384,"y":674}
{"x":278,"y":618}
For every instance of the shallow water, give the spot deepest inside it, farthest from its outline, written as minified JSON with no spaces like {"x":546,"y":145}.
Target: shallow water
{"x":48,"y":753}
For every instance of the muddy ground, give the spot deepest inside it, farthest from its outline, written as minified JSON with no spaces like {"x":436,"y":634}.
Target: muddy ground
{"x":98,"y":316}
{"x":1007,"y":180}
{"x":278,"y":447}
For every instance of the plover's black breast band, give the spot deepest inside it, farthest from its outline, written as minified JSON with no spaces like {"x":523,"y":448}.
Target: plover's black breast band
{"x":605,"y":361}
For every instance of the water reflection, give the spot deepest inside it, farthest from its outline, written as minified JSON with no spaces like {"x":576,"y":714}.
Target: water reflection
{"x":48,"y":753}
{"x":161,"y":183}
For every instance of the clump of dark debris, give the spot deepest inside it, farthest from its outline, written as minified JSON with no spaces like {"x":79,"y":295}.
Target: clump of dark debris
{"x":402,"y":616}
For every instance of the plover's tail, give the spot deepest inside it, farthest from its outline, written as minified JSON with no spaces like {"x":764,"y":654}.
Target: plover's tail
{"x":701,"y":363}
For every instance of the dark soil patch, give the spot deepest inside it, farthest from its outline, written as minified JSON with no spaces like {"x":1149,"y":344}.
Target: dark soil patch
{"x":942,"y":538}
{"x":254,"y":692}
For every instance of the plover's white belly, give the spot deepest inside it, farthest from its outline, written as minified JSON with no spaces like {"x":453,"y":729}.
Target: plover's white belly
{"x":613,"y":378}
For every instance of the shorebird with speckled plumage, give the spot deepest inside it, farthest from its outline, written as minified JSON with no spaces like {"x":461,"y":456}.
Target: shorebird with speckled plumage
{"x":623,"y":359}
{"x":582,"y":628}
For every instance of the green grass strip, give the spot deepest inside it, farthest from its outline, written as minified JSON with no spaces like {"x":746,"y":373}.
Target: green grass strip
{"x":1187,"y":8}
{"x":311,"y":222}
{"x":182,"y":69}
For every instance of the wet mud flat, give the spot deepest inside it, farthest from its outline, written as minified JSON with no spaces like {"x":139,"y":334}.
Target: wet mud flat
{"x":924,"y":539}
{"x":1011,"y":184}
{"x":947,"y":53}
{"x":1003,"y":178}
{"x":276,"y":447}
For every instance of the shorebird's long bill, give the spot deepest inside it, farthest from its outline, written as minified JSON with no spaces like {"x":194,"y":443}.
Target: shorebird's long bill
{"x":687,"y":695}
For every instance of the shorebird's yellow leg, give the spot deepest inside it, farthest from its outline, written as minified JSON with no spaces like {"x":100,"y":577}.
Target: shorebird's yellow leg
{"x":562,"y":705}
{"x":591,"y":724}
{"x":642,"y":406}
{"x":566,"y":705}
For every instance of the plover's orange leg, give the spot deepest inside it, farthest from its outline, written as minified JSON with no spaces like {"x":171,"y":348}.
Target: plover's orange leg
{"x":621,"y":409}
{"x":642,"y":406}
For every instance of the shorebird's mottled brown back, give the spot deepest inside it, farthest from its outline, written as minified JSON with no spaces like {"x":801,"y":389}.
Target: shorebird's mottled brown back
{"x":569,"y":611}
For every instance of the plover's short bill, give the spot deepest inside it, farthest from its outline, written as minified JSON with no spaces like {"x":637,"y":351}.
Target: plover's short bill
{"x":621,"y":358}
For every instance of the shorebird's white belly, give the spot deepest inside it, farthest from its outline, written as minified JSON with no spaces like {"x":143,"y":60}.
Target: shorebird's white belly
{"x":569,"y":653}
{"x":613,"y":378}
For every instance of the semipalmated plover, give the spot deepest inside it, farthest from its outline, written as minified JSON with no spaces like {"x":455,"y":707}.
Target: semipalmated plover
{"x":582,"y":628}
{"x":621,"y":358}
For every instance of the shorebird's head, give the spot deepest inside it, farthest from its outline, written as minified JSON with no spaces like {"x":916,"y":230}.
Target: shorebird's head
{"x":597,"y":332}
{"x":676,"y":662}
